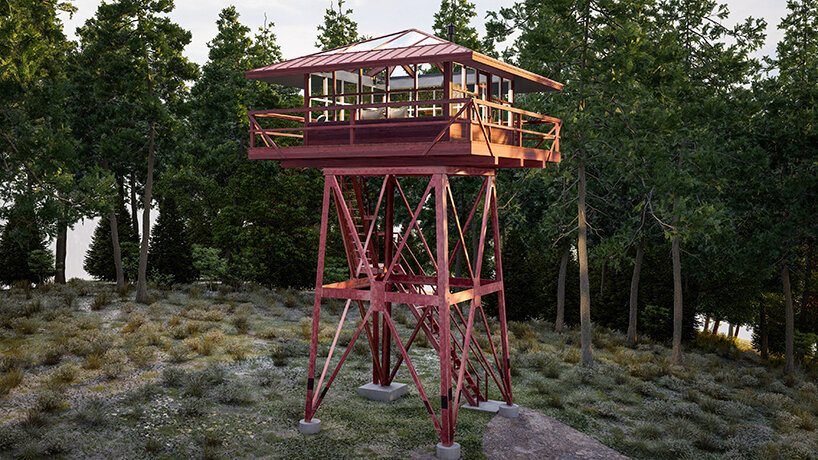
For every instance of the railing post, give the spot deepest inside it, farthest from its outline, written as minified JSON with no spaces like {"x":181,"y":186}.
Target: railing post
{"x":307,"y":104}
{"x":519,"y":128}
{"x":447,"y":87}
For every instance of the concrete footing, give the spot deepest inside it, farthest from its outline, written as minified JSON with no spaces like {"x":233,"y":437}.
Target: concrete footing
{"x":447,"y":453}
{"x":312,"y":427}
{"x":386,"y":393}
{"x":511,"y":411}
{"x":484,"y":406}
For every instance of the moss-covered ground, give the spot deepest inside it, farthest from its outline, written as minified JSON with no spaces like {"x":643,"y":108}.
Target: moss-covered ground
{"x":87,"y":373}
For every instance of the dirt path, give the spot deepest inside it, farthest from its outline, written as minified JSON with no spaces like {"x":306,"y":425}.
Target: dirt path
{"x":536,"y":436}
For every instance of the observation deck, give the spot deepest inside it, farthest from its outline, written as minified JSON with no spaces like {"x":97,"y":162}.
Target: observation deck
{"x":407,"y":99}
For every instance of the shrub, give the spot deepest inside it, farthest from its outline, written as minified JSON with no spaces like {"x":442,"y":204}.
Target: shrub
{"x":141,"y":356}
{"x":113,"y":363}
{"x":305,"y":328}
{"x":195,"y":384}
{"x":234,"y":393}
{"x":26,"y":326}
{"x":604,"y":409}
{"x":101,"y":300}
{"x":173,"y":377}
{"x":290,"y":299}
{"x":269,"y":333}
{"x":237,"y":350}
{"x":571,"y":355}
{"x":178,"y":354}
{"x":279,"y":355}
{"x":93,"y":361}
{"x":554,"y":400}
{"x":521,"y":330}
{"x":142,"y":394}
{"x":93,"y":413}
{"x":49,"y":400}
{"x":208,"y":342}
{"x":10,"y":379}
{"x":748,"y":381}
{"x":645,"y":371}
{"x":192,"y":407}
{"x":135,"y":320}
{"x":35,"y":418}
{"x":64,"y":374}
{"x":53,"y":356}
{"x":267,"y":377}
{"x":241,"y":323}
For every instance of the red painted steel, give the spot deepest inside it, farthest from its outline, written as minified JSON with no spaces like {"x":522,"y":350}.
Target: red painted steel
{"x":429,"y":49}
{"x":470,"y":136}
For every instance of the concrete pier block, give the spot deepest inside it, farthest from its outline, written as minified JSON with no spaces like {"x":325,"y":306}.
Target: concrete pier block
{"x":312,"y":427}
{"x":386,"y":393}
{"x":511,"y":411}
{"x":484,"y":406}
{"x":447,"y":453}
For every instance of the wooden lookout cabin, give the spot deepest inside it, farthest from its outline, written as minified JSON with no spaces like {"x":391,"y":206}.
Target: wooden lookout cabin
{"x":385,"y":102}
{"x":410,"y":104}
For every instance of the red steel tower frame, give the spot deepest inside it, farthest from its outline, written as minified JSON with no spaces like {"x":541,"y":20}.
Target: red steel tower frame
{"x":434,"y":128}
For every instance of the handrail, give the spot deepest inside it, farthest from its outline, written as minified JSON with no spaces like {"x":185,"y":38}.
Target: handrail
{"x":468,"y":112}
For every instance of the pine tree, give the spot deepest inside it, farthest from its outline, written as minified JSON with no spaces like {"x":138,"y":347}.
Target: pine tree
{"x":460,"y":13}
{"x":338,"y":28}
{"x":99,"y":260}
{"x":171,"y":252}
{"x":20,"y":239}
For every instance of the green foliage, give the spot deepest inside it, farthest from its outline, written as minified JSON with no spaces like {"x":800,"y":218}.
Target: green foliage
{"x":23,"y":253}
{"x":338,"y":28}
{"x":171,"y":253}
{"x":99,"y":259}
{"x":207,"y":263}
{"x":460,"y":13}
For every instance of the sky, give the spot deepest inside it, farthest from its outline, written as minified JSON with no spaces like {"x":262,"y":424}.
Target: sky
{"x":295,"y":25}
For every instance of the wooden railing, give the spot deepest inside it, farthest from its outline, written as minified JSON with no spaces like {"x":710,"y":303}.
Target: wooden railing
{"x":469,"y":111}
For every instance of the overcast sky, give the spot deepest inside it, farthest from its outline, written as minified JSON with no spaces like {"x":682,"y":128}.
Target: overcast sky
{"x":296,"y":22}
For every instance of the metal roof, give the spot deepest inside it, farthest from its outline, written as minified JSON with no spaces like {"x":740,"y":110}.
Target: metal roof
{"x":400,"y":48}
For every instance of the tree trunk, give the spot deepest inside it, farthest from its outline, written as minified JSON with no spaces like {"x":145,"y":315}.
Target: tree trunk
{"x":735,"y":331}
{"x":633,"y":313}
{"x":134,"y":207}
{"x":120,"y":275}
{"x":142,"y":281}
{"x":716,"y":323}
{"x":706,"y":327}
{"x":59,"y":263}
{"x":676,"y":354}
{"x":602,"y":278}
{"x":584,"y":284}
{"x":729,"y":329}
{"x":561,"y":290}
{"x":789,"y":366}
{"x":763,"y":340}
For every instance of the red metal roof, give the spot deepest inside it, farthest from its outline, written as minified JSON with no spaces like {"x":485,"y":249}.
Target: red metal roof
{"x":400,"y":48}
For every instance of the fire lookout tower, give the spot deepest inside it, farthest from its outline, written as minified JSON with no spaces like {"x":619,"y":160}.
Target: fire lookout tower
{"x":410,"y":107}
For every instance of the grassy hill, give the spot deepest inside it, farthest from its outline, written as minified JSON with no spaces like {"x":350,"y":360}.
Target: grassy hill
{"x":86,"y":373}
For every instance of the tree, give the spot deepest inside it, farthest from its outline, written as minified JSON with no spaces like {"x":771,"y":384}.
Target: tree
{"x":40,"y":153}
{"x":338,"y":28}
{"x":791,"y":136}
{"x":99,"y":259}
{"x":22,"y":246}
{"x":140,"y":51}
{"x":171,"y":252}
{"x":460,"y":14}
{"x":262,"y":219}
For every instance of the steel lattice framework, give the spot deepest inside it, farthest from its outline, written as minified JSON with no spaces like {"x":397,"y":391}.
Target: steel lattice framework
{"x":434,"y":299}
{"x":434,"y":129}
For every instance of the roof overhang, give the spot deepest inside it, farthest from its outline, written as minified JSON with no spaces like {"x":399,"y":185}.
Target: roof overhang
{"x":291,"y":72}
